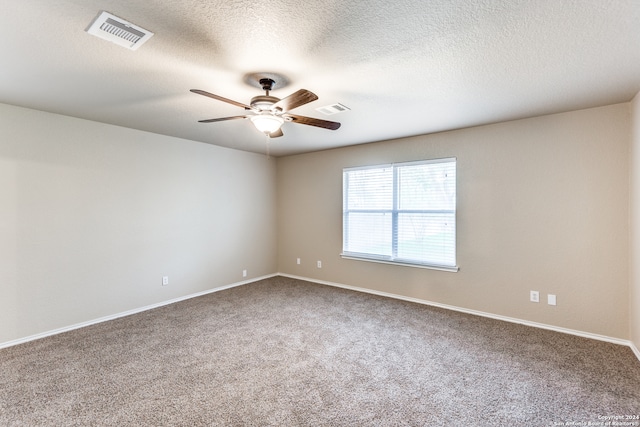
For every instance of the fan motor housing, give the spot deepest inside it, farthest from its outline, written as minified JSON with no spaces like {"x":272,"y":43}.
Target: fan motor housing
{"x":263,"y":102}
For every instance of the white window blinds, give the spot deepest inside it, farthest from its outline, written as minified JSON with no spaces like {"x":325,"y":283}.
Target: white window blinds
{"x":402,"y":213}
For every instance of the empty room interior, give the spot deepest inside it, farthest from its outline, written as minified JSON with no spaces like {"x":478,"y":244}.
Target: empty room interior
{"x":165,"y":260}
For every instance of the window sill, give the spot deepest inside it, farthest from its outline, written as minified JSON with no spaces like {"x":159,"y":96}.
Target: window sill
{"x":400,"y":263}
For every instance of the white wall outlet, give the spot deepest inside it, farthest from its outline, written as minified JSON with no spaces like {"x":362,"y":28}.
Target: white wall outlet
{"x":165,"y":280}
{"x":534,"y":296}
{"x":244,"y":273}
{"x":298,"y":261}
{"x":551,"y":299}
{"x":319,"y":264}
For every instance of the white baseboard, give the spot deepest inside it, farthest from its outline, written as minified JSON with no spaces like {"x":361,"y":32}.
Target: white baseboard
{"x":127,"y":313}
{"x":475,"y":312}
{"x":635,"y":350}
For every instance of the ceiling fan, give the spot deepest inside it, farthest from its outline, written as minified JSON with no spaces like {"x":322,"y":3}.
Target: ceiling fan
{"x":269,"y":112}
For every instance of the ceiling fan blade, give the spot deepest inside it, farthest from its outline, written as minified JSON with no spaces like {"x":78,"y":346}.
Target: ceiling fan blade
{"x":295,"y":100}
{"x":326,"y":124}
{"x":276,"y":134}
{"x":220,"y":98}
{"x":222,"y":119}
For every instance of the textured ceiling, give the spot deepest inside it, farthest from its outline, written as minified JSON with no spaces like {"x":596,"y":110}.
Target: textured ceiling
{"x":404,"y":68}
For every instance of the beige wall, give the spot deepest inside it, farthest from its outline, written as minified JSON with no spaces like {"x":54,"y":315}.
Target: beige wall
{"x":634,"y":294}
{"x":92,"y":216}
{"x":542,"y":205}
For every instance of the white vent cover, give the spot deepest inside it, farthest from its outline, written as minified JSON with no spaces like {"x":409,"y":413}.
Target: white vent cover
{"x":333,"y":109}
{"x":117,"y":30}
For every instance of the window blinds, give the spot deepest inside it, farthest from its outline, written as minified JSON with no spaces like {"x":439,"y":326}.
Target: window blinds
{"x":402,"y":213}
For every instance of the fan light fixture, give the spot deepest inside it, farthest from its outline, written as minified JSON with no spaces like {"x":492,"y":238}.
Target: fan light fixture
{"x":267,"y":123}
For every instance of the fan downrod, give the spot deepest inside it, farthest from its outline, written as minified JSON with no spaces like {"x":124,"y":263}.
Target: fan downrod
{"x":267,"y":85}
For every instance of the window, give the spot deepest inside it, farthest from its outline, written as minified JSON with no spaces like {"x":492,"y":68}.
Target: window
{"x":403,"y":213}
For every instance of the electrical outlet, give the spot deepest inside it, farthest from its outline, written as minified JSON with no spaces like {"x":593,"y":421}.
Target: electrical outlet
{"x":165,"y":280}
{"x":551,"y":299}
{"x":534,"y":296}
{"x":319,"y":264}
{"x":244,"y":273}
{"x":298,"y":261}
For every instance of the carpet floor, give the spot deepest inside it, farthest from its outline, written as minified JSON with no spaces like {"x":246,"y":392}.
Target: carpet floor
{"x":284,"y":352}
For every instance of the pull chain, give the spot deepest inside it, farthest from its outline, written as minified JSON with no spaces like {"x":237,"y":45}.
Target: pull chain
{"x":266,"y":135}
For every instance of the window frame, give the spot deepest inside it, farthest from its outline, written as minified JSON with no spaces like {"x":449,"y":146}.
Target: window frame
{"x":395,"y":212}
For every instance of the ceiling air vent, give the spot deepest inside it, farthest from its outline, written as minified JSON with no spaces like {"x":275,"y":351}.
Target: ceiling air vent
{"x":333,"y":109}
{"x":118,"y":31}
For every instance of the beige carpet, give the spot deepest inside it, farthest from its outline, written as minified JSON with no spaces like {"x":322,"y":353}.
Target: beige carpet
{"x":290,"y":353}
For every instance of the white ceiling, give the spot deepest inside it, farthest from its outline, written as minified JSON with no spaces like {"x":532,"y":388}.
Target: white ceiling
{"x":404,"y":68}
